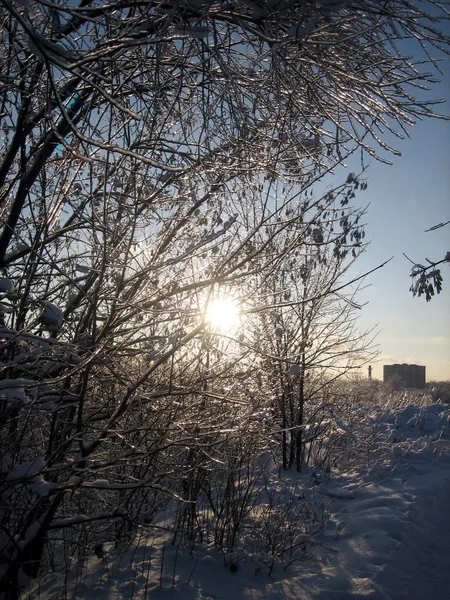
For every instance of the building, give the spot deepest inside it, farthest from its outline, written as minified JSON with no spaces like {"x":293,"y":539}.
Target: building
{"x":408,"y":376}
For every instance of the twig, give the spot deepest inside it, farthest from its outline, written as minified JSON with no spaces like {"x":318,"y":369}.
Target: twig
{"x":162,"y":564}
{"x":437,"y":226}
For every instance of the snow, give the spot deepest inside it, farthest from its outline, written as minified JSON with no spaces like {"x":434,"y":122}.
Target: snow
{"x":16,"y":252}
{"x":41,"y":487}
{"x":5,"y":384}
{"x":52,"y":317}
{"x":44,"y":344}
{"x":295,"y":370}
{"x":302,"y":30}
{"x":72,"y":358}
{"x":5,"y":308}
{"x":195,"y":31}
{"x":14,"y":389}
{"x":6,"y":285}
{"x":386,"y":536}
{"x":52,"y":50}
{"x":26,"y":470}
{"x":82,"y":269}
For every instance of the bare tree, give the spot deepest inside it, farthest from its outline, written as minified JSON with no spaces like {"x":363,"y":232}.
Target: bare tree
{"x":307,"y":336}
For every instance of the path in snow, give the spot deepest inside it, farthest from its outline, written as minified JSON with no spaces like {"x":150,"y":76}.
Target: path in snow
{"x":394,"y":541}
{"x":393,"y":545}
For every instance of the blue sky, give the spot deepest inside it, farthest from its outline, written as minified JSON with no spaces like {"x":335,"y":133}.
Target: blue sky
{"x":405,"y":199}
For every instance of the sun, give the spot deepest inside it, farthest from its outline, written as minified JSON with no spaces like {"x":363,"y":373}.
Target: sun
{"x":223,"y":314}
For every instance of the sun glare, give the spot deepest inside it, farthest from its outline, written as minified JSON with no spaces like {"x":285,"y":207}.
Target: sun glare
{"x":223,"y":314}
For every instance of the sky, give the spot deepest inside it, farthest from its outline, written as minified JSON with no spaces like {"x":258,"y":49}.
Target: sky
{"x":405,"y":200}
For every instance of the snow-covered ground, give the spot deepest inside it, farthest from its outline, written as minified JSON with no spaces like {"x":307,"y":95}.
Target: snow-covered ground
{"x":387,"y":535}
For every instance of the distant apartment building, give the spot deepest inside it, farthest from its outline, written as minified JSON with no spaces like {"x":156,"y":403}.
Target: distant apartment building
{"x":408,"y":376}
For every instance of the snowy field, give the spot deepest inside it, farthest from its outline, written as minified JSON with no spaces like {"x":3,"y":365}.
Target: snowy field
{"x":385,"y":534}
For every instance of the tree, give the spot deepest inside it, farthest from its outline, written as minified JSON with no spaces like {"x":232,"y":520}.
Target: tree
{"x":145,"y":148}
{"x":306,"y":336}
{"x":427,"y":279}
